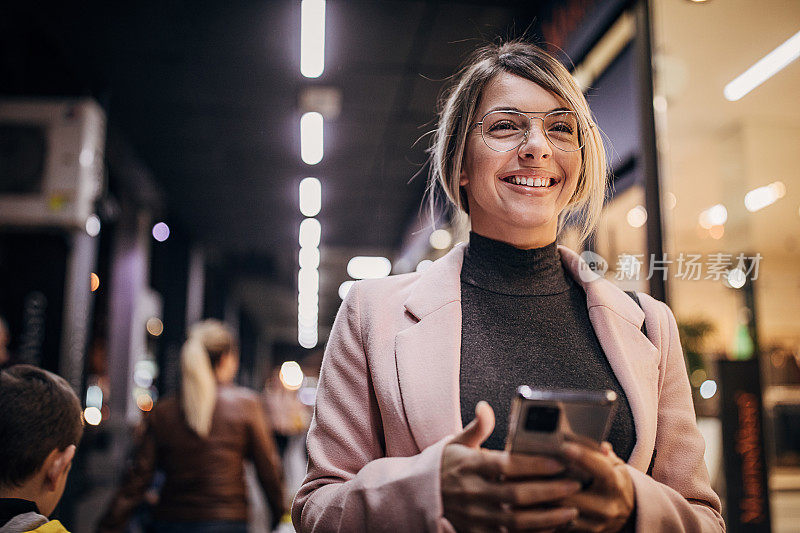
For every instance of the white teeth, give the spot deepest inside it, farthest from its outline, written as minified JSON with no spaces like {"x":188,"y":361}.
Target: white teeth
{"x":532,"y":182}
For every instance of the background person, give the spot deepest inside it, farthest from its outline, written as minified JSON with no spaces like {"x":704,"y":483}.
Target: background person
{"x":200,"y":441}
{"x":410,"y":356}
{"x":40,"y":427}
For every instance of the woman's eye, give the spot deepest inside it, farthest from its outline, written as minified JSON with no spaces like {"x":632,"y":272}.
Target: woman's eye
{"x":503,"y":125}
{"x":561,"y":127}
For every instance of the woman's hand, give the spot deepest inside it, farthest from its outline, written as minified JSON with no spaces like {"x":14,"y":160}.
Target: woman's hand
{"x":607,"y":504}
{"x":485,"y":490}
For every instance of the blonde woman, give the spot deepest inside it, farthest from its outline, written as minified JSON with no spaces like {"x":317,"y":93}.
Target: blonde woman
{"x":420,"y":369}
{"x":200,"y":441}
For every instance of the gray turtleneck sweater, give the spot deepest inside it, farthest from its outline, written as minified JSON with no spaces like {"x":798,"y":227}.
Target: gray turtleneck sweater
{"x":525,"y":322}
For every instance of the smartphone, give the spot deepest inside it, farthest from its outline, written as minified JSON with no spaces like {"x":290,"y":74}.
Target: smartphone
{"x":543,"y":419}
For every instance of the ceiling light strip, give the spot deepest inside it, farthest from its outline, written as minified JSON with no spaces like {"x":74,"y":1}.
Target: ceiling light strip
{"x":764,"y":69}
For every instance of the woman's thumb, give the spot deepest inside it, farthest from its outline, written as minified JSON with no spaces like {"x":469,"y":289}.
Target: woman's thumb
{"x":477,"y":431}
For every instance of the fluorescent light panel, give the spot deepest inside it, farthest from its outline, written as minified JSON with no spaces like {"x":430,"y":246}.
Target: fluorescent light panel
{"x":312,"y":38}
{"x":310,"y":233}
{"x":764,"y":69}
{"x":310,"y":197}
{"x":311,"y":137}
{"x":363,"y":267}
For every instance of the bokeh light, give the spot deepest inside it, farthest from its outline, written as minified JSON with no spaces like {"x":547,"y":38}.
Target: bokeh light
{"x":291,"y":375}
{"x":155,"y":326}
{"x":92,"y":415}
{"x":94,"y":281}
{"x":161,"y":232}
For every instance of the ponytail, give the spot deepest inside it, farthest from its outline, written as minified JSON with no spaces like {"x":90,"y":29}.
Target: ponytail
{"x":207,"y":341}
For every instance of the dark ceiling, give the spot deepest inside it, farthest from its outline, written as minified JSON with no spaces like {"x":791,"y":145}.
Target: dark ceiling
{"x":206,"y":94}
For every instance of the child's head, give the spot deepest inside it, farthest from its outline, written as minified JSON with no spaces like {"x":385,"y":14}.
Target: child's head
{"x":40,"y":426}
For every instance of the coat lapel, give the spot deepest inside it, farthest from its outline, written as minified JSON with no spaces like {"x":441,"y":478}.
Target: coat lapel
{"x":428,"y":353}
{"x":617,"y":321}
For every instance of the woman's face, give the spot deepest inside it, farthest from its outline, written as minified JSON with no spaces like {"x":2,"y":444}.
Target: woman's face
{"x":521,"y":215}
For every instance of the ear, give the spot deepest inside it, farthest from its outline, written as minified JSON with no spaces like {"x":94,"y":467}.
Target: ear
{"x":57,"y":466}
{"x":462,"y":178}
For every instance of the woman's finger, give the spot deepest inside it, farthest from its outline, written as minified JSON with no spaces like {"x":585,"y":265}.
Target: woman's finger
{"x":479,"y":429}
{"x":594,"y":462}
{"x":592,"y":505}
{"x":525,"y":493}
{"x":494,"y":465}
{"x":514,"y":519}
{"x":587,"y":525}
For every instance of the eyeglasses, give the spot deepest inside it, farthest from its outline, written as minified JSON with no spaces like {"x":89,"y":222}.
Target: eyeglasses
{"x":503,"y":131}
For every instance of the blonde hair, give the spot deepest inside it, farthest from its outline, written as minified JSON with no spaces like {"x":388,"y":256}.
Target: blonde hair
{"x":208,"y":341}
{"x":457,"y":115}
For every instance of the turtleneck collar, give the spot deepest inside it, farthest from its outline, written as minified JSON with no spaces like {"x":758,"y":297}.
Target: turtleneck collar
{"x":504,"y":269}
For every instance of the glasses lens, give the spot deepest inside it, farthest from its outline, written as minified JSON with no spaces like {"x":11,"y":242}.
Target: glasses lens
{"x":561,"y":127}
{"x":504,"y":130}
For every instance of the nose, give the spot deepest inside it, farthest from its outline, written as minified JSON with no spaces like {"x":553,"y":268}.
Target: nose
{"x":535,"y":145}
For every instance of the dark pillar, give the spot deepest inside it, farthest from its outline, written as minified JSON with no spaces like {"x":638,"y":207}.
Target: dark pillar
{"x":649,"y":152}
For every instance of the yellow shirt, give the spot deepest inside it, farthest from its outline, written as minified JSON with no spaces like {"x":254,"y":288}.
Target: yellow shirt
{"x":53,"y":526}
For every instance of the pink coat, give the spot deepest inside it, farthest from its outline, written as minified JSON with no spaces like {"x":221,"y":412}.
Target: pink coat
{"x":388,"y":403}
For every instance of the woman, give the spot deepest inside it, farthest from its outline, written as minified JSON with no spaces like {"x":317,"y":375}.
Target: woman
{"x":200,"y":441}
{"x":393,"y":445}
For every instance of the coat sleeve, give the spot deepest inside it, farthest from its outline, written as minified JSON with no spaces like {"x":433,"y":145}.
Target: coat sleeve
{"x":678,"y":496}
{"x":263,"y":451}
{"x":351,"y":485}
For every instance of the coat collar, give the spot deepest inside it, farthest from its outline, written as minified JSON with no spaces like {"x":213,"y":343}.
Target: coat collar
{"x":428,"y":352}
{"x":440,"y":284}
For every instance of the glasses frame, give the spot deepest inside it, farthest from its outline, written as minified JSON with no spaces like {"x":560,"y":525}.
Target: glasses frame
{"x":527,"y":133}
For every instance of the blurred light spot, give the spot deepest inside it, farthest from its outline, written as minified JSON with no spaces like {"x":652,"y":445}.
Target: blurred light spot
{"x":708,"y":388}
{"x":763,"y":196}
{"x":344,"y":288}
{"x":142,"y":377}
{"x":309,"y":257}
{"x":308,"y":280}
{"x":312,"y":38}
{"x":307,"y":395}
{"x":364,"y":267}
{"x":94,"y":281}
{"x":660,"y":104}
{"x":93,"y":225}
{"x":144,"y":401}
{"x":716,"y":232}
{"x":637,"y":216}
{"x":86,"y":158}
{"x":94,"y":397}
{"x":161,"y":232}
{"x":92,"y":416}
{"x":310,"y":197}
{"x":736,"y":278}
{"x":716,"y":215}
{"x":311,"y":149}
{"x":440,"y":239}
{"x":291,"y":375}
{"x":698,"y":377}
{"x":310,"y":233}
{"x":154,"y":326}
{"x":423,"y":265}
{"x":672,"y":200}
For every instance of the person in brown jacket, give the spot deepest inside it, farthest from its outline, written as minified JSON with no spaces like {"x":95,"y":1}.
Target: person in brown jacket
{"x":200,"y":440}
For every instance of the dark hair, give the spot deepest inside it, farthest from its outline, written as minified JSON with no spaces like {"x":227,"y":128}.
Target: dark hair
{"x":39,"y":412}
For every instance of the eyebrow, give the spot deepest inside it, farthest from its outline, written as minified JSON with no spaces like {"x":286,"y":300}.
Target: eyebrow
{"x":512,"y":108}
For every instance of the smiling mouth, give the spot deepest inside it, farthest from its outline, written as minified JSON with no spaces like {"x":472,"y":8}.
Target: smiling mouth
{"x":527,"y":181}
